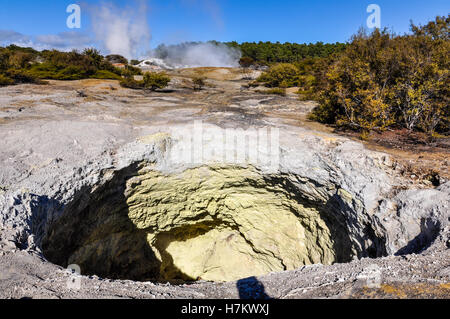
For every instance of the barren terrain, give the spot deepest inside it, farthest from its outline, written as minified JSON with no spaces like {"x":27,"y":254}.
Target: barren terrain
{"x":65,"y":146}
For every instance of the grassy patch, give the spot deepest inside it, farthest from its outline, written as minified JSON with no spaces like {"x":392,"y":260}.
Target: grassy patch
{"x":106,"y":75}
{"x":275,"y":91}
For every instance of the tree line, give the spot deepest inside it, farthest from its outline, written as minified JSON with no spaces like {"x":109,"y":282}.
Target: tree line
{"x":267,"y":53}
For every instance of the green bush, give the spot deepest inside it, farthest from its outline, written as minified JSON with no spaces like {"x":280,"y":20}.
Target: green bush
{"x":382,"y":80}
{"x":44,"y":70}
{"x":276,"y":91}
{"x":198,"y":82}
{"x":53,"y":72}
{"x":19,"y":59}
{"x":133,"y":70}
{"x":325,"y":112}
{"x":154,"y":80}
{"x":130,"y":71}
{"x":312,"y":76}
{"x":246,"y":62}
{"x":21,"y":76}
{"x":27,"y":65}
{"x":107,"y":66}
{"x":72,"y":72}
{"x":282,"y":75}
{"x":4,"y":59}
{"x":131,"y":83}
{"x":116,"y":58}
{"x":95,"y":56}
{"x":4,"y":81}
{"x":106,"y":75}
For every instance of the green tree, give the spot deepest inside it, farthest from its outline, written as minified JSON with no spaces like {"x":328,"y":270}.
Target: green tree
{"x":246,"y":62}
{"x":95,"y":55}
{"x":382,"y":80}
{"x":437,"y":29}
{"x":116,"y":58}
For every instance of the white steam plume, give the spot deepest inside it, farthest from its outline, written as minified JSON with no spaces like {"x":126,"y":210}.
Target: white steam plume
{"x":127,"y":32}
{"x":194,"y":54}
{"x":121,"y":31}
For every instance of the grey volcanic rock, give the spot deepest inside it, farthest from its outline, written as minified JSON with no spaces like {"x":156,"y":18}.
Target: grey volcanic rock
{"x":413,"y":219}
{"x":52,"y":163}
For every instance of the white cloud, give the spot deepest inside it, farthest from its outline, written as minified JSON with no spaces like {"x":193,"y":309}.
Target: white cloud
{"x":65,"y":40}
{"x":12,"y":37}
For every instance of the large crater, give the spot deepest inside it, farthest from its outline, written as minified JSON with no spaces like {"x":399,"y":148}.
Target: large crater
{"x":217,"y":223}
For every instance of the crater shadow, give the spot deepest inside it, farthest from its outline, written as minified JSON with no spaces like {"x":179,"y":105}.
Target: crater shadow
{"x":96,"y":233}
{"x":330,"y":212}
{"x":429,"y":231}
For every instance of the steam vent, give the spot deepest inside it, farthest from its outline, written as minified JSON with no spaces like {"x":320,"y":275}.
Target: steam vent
{"x":119,"y":201}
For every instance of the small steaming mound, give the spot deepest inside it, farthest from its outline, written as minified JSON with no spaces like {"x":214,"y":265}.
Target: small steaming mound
{"x":154,"y":63}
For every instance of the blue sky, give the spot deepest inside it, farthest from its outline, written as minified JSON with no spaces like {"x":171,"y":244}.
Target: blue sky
{"x":173,"y":21}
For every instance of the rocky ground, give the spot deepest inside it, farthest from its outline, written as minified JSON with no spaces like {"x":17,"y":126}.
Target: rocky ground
{"x":63,"y":141}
